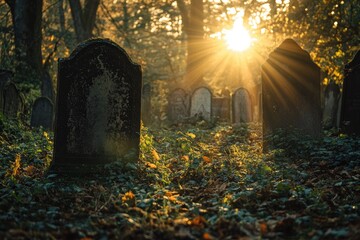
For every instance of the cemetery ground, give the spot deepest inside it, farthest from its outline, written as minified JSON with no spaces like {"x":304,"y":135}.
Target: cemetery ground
{"x":192,"y":182}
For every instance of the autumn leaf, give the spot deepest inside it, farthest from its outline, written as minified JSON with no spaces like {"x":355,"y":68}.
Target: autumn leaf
{"x":263,"y":228}
{"x":198,"y":221}
{"x":185,"y":158}
{"x":206,"y":159}
{"x":191,"y":135}
{"x":129,"y":199}
{"x":207,"y":236}
{"x":15,"y":167}
{"x":151,"y":165}
{"x":155,"y":155}
{"x":30,"y":170}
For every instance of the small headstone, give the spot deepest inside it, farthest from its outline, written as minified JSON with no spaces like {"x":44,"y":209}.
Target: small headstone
{"x":201,"y":104}
{"x":221,"y":108}
{"x":98,"y":107}
{"x":350,"y":106}
{"x":47,"y":89}
{"x":146,"y":104}
{"x":178,"y":108}
{"x":241,"y":106}
{"x":42,"y":113}
{"x":331,"y":102}
{"x":5,"y":77}
{"x":13,"y":101}
{"x":291,"y":91}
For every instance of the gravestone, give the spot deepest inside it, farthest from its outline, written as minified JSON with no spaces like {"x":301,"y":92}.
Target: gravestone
{"x":221,"y":108}
{"x":178,"y":108}
{"x":291,"y":91}
{"x":47,"y":89}
{"x":201,"y":104}
{"x":350,"y":106}
{"x":42,"y":113}
{"x":13,"y":101}
{"x":331,"y":102}
{"x":241,"y":106}
{"x":146,"y":104}
{"x":98,"y":107}
{"x":5,"y":77}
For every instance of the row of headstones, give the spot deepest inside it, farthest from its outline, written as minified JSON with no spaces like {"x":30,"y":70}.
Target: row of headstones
{"x":99,"y":98}
{"x":12,"y":103}
{"x":291,"y":93}
{"x":201,"y":105}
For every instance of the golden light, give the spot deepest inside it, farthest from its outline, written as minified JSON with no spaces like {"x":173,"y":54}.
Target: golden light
{"x":238,"y":38}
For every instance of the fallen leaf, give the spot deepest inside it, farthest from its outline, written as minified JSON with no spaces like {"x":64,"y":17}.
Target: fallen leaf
{"x":263,"y":228}
{"x":207,"y":236}
{"x":151,"y":165}
{"x":155,"y":155}
{"x":206,"y":159}
{"x":198,"y":221}
{"x":185,"y":158}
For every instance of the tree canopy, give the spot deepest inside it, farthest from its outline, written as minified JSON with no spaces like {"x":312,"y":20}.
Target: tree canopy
{"x":172,"y":38}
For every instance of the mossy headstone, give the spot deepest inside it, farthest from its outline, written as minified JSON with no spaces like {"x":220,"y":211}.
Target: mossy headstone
{"x":98,"y":107}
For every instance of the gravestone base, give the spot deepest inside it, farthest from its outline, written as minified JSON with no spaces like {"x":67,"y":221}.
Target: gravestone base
{"x":76,"y":169}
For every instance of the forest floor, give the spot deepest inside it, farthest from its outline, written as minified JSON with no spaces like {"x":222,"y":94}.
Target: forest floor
{"x":193,"y":182}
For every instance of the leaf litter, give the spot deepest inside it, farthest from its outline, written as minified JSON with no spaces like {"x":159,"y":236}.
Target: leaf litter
{"x":190,"y":183}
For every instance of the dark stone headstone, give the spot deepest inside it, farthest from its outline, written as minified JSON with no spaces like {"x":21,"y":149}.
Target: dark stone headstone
{"x":13,"y":101}
{"x":47,"y":89}
{"x":5,"y":77}
{"x":201,"y":104}
{"x":241,"y":106}
{"x":331,"y":102}
{"x":221,"y":108}
{"x":178,"y":107}
{"x":146,"y":104}
{"x":98,"y":107}
{"x":291,"y":91}
{"x":42,"y":113}
{"x":350,"y":106}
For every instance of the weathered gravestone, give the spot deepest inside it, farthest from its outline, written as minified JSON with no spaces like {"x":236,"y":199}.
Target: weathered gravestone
{"x":146,"y":104}
{"x":241,"y":106}
{"x":291,"y":91}
{"x":221,"y":106}
{"x":13,"y":101}
{"x":5,"y":77}
{"x":331,"y":102}
{"x":42,"y":113}
{"x":98,"y":107}
{"x":178,"y":107}
{"x":47,"y":89}
{"x":201,"y":104}
{"x":350,"y":106}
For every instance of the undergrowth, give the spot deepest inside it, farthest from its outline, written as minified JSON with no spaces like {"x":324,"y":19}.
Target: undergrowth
{"x":189,"y":183}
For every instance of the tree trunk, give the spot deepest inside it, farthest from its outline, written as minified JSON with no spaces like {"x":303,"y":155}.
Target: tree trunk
{"x":193,"y":21}
{"x":27,"y":16}
{"x":84,"y":18}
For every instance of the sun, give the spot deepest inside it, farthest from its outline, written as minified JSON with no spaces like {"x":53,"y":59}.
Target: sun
{"x":238,"y":38}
